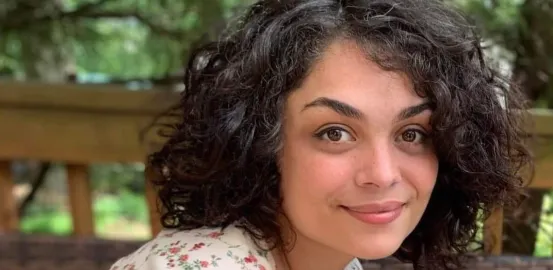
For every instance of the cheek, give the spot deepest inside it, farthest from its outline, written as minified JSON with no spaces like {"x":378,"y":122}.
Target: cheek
{"x":421,"y":174}
{"x":308,"y":173}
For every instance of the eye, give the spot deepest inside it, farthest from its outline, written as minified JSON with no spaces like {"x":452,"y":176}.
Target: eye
{"x":414,"y":136}
{"x":335,"y":134}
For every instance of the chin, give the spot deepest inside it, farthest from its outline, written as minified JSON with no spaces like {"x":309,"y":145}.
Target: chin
{"x":377,"y":247}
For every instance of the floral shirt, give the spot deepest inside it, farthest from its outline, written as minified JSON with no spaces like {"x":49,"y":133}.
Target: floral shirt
{"x":205,"y":248}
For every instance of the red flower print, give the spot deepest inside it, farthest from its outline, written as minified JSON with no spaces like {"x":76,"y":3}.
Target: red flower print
{"x":197,"y":246}
{"x":261,"y":267}
{"x":174,"y":250}
{"x":183,"y":258}
{"x":215,"y":234}
{"x":204,"y":264}
{"x":250,"y":259}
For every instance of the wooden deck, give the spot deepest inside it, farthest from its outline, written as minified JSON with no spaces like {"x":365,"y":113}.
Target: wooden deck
{"x":79,"y":125}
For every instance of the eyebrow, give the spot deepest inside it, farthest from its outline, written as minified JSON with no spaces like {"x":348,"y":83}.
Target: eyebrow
{"x":352,"y":112}
{"x":413,"y":111}
{"x":336,"y":105}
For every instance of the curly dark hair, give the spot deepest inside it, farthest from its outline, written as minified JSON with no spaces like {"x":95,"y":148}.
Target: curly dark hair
{"x":218,"y":165}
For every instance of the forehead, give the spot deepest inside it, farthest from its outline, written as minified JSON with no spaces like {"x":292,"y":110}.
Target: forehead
{"x":344,"y":72}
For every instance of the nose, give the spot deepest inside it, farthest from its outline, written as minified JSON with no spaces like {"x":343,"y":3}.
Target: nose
{"x":378,"y":167}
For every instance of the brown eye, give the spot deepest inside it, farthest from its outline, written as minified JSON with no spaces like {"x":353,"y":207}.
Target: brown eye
{"x":413,"y":136}
{"x":409,"y":135}
{"x":335,"y":134}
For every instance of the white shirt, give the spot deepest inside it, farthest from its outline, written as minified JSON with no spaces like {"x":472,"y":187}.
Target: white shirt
{"x":205,"y":248}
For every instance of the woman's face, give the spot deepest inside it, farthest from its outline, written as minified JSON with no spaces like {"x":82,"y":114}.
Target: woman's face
{"x":357,"y":164}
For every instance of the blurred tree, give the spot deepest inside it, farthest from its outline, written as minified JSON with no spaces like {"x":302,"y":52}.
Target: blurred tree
{"x":121,"y":39}
{"x":521,"y":28}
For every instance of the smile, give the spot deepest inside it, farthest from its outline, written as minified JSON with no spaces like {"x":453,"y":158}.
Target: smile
{"x":376,"y":214}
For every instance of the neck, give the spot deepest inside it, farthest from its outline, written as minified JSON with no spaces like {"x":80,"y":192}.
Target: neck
{"x":304,"y":253}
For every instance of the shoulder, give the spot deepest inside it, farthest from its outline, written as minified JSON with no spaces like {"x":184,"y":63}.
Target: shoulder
{"x":205,"y":248}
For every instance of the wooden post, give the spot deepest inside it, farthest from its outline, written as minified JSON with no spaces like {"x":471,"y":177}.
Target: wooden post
{"x":9,"y":220}
{"x":80,"y":199}
{"x":151,"y":200}
{"x":493,"y":233}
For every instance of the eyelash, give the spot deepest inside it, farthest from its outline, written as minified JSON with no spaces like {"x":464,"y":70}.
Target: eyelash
{"x":425,"y":136}
{"x":421,"y":133}
{"x":324,"y":131}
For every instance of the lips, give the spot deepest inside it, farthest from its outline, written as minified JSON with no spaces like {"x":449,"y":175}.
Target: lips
{"x":377,"y":207}
{"x":376,"y":213}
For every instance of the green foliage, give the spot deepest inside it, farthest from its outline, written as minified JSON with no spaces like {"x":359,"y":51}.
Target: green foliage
{"x":499,"y":19}
{"x":126,"y":205}
{"x":47,"y":221}
{"x":108,"y":209}
{"x":523,"y":29}
{"x":545,"y":232}
{"x":123,"y":38}
{"x":113,"y":178}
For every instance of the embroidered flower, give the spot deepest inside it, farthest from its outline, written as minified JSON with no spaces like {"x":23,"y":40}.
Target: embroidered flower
{"x":183,"y":258}
{"x":174,"y":250}
{"x":215,"y":235}
{"x":250,"y":259}
{"x":190,"y":250}
{"x":197,"y":246}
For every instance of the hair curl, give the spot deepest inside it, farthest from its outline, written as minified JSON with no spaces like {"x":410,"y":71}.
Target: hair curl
{"x":218,"y":165}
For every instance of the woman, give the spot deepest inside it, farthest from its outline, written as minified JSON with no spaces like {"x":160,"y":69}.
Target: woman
{"x":321,"y":131}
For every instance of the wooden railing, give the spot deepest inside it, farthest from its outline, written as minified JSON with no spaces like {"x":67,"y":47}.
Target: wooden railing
{"x":542,"y":147}
{"x":76,"y":125}
{"x":82,"y":124}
